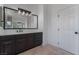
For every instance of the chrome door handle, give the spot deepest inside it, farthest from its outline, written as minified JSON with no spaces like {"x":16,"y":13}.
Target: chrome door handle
{"x":76,"y":33}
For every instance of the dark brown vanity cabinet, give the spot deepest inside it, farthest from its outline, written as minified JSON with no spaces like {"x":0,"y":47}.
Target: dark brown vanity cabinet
{"x":14,"y":44}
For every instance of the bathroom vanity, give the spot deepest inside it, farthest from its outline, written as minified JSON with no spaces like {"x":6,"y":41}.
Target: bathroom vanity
{"x":15,"y":44}
{"x":21,"y":19}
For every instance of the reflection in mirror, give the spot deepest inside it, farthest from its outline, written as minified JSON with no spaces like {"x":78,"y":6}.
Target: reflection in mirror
{"x":1,"y":23}
{"x":13,"y":20}
{"x":8,"y":21}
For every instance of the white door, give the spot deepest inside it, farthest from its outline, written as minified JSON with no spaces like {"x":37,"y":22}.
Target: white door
{"x":67,"y":28}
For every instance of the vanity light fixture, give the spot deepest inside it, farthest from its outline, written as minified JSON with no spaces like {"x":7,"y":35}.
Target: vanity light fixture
{"x":24,"y":12}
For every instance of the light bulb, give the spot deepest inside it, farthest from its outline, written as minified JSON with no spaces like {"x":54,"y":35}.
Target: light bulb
{"x":26,"y":14}
{"x":23,"y":13}
{"x":30,"y":14}
{"x":19,"y":12}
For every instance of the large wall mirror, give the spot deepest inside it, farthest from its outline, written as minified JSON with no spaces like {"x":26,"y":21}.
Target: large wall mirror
{"x":1,"y":23}
{"x":13,"y":20}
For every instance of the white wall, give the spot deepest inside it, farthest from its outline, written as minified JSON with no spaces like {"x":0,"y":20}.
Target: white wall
{"x":51,"y":23}
{"x":46,"y":20}
{"x":36,"y":9}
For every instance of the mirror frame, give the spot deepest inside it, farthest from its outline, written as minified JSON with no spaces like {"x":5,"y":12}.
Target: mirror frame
{"x":16,"y":10}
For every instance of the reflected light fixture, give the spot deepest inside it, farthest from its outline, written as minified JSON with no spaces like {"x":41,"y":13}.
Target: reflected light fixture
{"x":8,"y":22}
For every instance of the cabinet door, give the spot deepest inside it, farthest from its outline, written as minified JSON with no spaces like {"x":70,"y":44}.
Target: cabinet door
{"x":23,"y":43}
{"x":20,"y":45}
{"x":37,"y":39}
{"x":7,"y":47}
{"x":29,"y":41}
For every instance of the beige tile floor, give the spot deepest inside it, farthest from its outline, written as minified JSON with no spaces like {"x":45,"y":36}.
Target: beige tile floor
{"x":46,"y":50}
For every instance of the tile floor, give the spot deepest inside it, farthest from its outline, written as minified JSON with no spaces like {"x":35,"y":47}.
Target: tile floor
{"x":46,"y":50}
